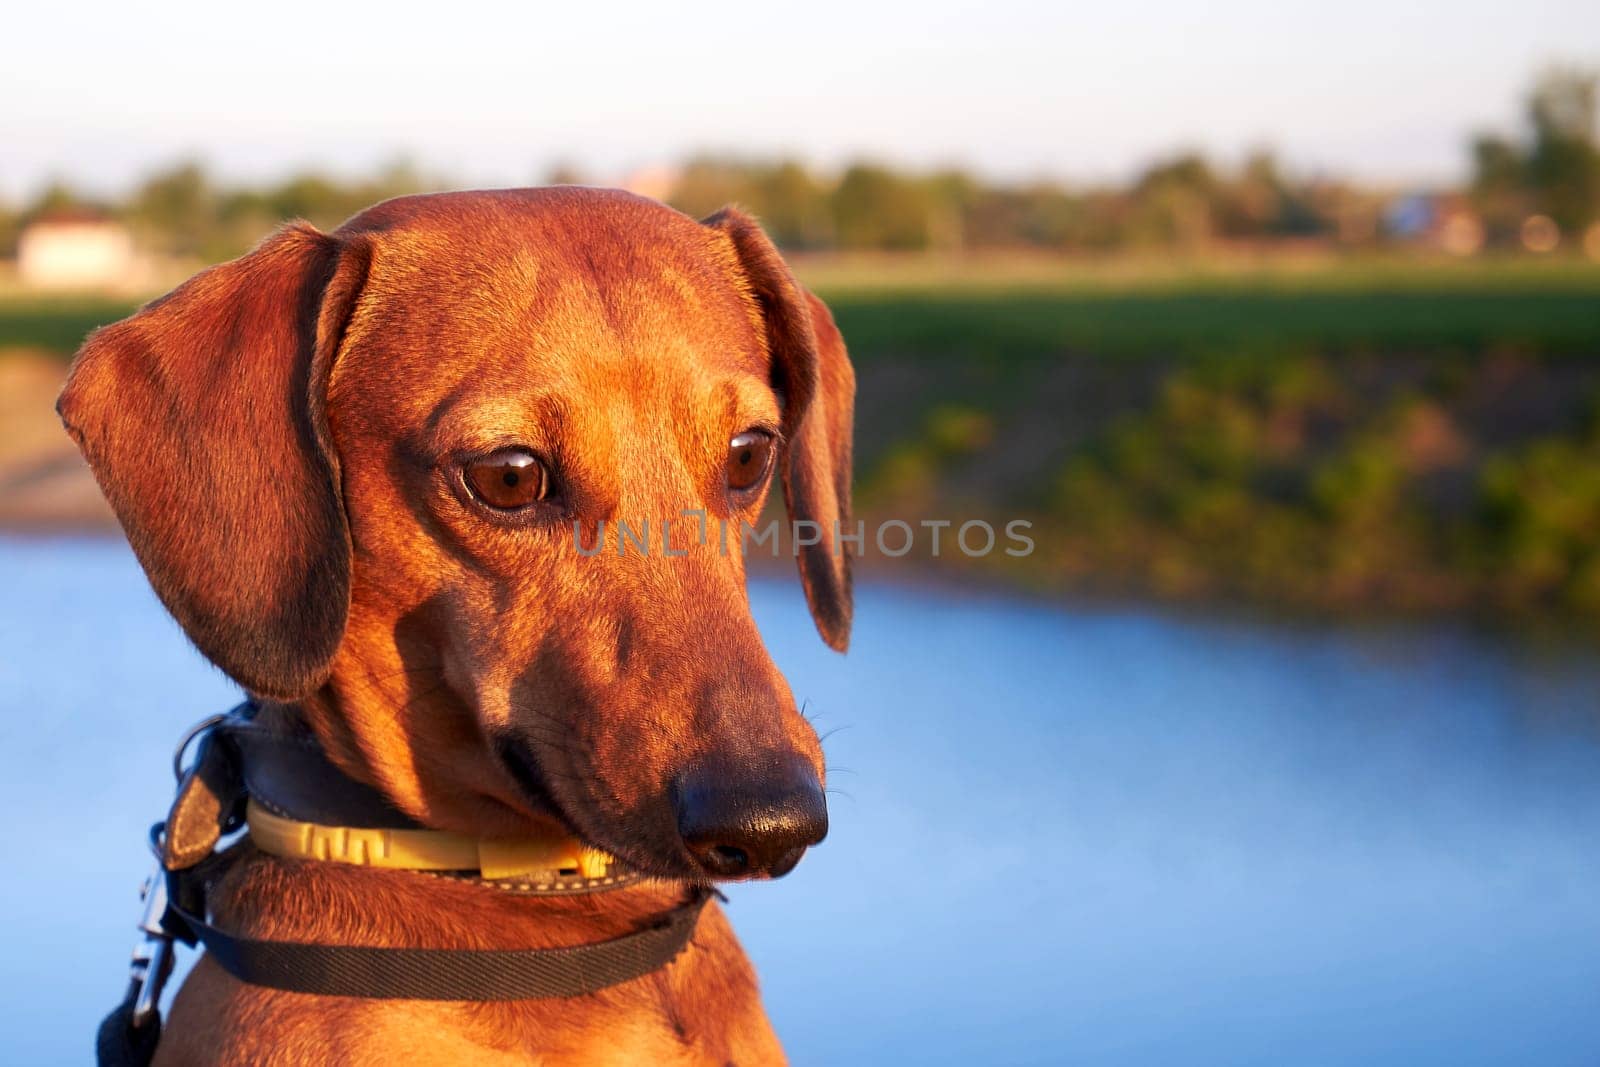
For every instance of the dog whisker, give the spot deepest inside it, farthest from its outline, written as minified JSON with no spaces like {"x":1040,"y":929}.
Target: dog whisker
{"x":824,"y":738}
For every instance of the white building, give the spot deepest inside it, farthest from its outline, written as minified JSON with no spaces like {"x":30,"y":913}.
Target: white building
{"x":75,"y":251}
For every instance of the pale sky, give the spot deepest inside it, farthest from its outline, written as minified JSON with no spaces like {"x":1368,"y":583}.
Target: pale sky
{"x":496,"y":93}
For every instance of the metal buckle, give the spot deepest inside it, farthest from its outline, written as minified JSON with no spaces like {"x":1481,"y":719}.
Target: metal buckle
{"x":199,"y":729}
{"x":152,"y":953}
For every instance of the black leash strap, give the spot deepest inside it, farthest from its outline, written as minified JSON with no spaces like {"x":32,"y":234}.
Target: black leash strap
{"x":451,"y":974}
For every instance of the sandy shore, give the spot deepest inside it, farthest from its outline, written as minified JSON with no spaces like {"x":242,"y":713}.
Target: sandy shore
{"x":45,"y":487}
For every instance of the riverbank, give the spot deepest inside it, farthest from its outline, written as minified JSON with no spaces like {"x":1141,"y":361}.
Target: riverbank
{"x":1352,"y":438}
{"x":1348,"y":438}
{"x":45,"y":487}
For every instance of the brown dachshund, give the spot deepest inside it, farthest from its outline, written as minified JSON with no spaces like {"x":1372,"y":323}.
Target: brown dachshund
{"x":358,"y":468}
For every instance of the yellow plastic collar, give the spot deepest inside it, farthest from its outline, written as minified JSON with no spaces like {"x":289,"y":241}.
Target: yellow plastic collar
{"x":422,"y":850}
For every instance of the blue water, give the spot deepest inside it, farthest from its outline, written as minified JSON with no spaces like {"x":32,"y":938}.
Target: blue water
{"x":1087,"y":836}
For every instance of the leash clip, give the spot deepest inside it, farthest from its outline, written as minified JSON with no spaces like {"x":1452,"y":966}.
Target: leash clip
{"x":151,"y":965}
{"x":152,"y":954}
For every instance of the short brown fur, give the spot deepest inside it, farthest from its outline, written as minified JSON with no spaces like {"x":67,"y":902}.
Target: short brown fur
{"x":281,"y":438}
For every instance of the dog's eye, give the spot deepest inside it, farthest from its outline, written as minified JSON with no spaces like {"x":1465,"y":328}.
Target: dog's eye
{"x":508,"y":479}
{"x":749,"y":456}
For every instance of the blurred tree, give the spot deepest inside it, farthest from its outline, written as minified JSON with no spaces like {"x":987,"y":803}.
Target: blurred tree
{"x":59,"y":198}
{"x":399,"y":177}
{"x":10,"y":226}
{"x":950,"y":196}
{"x":1262,"y":202}
{"x":1182,"y":201}
{"x":1496,"y":189}
{"x":176,"y":208}
{"x":1556,"y":172}
{"x":875,"y":207}
{"x":1174,"y":203}
{"x":1040,"y":215}
{"x":311,"y":196}
{"x":564,"y":173}
{"x":792,"y":205}
{"x":708,"y":183}
{"x":325,"y":201}
{"x":1563,"y":164}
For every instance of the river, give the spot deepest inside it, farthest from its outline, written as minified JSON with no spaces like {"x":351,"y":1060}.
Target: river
{"x":1059,"y":834}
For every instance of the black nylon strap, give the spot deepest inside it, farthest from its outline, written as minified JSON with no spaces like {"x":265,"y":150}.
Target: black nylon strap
{"x":451,"y":974}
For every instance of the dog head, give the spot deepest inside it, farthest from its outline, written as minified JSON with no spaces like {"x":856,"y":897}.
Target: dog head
{"x":465,"y":479}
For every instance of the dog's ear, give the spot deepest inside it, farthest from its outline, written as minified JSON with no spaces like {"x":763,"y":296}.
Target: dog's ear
{"x":202,"y":416}
{"x":812,"y":371}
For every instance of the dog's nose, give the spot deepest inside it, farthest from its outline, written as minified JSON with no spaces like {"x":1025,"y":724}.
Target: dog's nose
{"x":747,"y":826}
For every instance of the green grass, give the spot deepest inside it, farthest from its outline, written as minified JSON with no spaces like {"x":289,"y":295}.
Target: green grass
{"x":56,"y":324}
{"x":1036,"y":325}
{"x":1017,"y":308}
{"x":1009,"y":309}
{"x":1317,"y":272}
